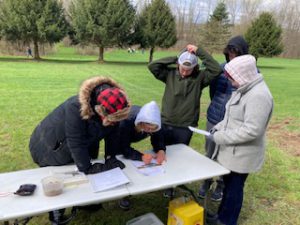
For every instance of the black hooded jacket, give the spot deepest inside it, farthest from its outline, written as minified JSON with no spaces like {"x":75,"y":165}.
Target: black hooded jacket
{"x":71,"y":132}
{"x":220,"y":88}
{"x":128,"y":135}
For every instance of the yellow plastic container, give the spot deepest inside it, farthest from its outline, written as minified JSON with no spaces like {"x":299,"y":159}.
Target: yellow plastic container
{"x":184,"y":211}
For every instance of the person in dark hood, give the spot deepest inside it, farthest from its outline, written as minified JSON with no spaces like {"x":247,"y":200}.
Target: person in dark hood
{"x":71,"y":132}
{"x":220,"y":92}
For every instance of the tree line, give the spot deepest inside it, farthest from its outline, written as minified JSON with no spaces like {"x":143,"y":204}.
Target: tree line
{"x":117,"y":23}
{"x":104,"y":23}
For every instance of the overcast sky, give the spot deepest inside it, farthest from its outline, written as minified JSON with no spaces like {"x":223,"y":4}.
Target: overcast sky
{"x":205,"y":6}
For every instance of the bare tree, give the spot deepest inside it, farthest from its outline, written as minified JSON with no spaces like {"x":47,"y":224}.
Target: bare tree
{"x":189,"y":16}
{"x":242,"y":14}
{"x":288,"y":15}
{"x":141,"y":4}
{"x":249,"y":10}
{"x":234,"y":7}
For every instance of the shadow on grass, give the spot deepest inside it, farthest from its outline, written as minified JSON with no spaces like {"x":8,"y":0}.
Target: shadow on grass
{"x":8,"y":59}
{"x":124,"y":63}
{"x":71,"y":61}
{"x":272,"y":67}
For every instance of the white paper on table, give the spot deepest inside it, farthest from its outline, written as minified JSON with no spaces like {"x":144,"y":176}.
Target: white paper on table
{"x":108,"y":179}
{"x":149,"y":170}
{"x":203,"y":132}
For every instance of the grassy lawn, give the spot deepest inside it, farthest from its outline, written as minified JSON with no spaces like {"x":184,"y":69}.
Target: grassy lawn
{"x":29,"y":90}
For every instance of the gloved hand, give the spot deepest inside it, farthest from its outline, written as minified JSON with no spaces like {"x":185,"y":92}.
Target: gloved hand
{"x":109,"y":164}
{"x":96,"y":168}
{"x":113,"y":163}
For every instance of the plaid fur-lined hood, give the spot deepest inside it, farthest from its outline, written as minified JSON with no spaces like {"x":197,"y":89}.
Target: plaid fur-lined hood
{"x":85,"y":94}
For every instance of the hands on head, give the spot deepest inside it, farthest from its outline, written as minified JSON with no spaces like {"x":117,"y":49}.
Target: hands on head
{"x":191,"y":48}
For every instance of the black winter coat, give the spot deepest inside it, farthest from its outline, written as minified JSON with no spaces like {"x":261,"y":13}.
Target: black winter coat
{"x":128,"y":135}
{"x":64,"y":136}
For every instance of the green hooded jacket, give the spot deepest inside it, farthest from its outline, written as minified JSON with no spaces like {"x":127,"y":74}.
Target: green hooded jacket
{"x":181,"y":99}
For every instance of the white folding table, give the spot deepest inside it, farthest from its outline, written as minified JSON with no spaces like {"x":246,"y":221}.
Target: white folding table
{"x":184,"y":165}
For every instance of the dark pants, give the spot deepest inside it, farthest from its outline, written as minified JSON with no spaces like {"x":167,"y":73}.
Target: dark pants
{"x":232,"y":201}
{"x":210,"y":146}
{"x":176,"y":135}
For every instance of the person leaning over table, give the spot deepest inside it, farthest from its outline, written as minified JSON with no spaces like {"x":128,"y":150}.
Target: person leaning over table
{"x":184,"y":82}
{"x":71,"y":132}
{"x":240,"y":136}
{"x":141,"y":123}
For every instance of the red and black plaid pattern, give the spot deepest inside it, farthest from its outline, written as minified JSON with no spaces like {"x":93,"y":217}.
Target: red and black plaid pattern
{"x":112,"y":99}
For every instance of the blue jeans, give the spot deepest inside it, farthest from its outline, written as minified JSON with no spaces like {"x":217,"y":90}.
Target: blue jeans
{"x":232,"y":201}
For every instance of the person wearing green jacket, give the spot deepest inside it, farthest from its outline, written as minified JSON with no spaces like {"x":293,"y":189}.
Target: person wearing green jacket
{"x":184,"y":81}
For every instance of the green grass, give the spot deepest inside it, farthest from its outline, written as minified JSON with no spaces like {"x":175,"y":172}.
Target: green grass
{"x":29,"y":90}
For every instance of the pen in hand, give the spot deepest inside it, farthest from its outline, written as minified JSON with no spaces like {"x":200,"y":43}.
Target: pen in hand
{"x":148,"y":165}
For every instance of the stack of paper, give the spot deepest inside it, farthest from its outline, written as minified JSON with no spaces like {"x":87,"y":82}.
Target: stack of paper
{"x":108,"y":179}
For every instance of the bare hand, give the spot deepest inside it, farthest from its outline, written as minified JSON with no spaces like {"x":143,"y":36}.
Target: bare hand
{"x":160,"y":156}
{"x":147,"y":158}
{"x":191,"y":48}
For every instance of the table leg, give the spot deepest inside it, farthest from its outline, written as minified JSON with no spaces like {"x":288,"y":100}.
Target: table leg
{"x":207,"y":193}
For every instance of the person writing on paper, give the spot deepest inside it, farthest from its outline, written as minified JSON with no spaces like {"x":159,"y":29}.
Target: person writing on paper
{"x":141,"y":123}
{"x":240,"y":136}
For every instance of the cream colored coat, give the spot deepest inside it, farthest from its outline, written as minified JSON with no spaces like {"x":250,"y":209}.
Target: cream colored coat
{"x":240,"y":137}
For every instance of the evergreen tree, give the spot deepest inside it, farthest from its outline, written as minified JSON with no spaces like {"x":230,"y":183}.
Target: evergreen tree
{"x":215,"y":34}
{"x":264,"y":36}
{"x":104,"y":23}
{"x":137,"y":36}
{"x":158,"y":26}
{"x":36,"y":21}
